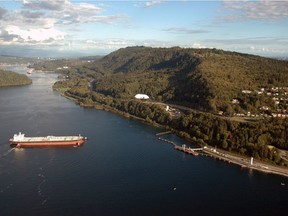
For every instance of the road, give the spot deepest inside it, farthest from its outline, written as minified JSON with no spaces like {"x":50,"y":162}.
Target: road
{"x":241,"y":161}
{"x":178,"y":109}
{"x":244,"y":162}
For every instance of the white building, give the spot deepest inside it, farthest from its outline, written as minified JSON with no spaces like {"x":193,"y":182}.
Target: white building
{"x":246,"y":91}
{"x":141,"y":96}
{"x":235,"y":101}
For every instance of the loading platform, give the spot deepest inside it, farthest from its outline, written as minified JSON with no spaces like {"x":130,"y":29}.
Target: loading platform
{"x":183,"y":148}
{"x":188,"y":150}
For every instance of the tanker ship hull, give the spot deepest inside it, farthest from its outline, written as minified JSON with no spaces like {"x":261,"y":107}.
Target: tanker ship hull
{"x":20,"y":141}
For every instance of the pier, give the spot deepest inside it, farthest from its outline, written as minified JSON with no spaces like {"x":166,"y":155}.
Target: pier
{"x":167,"y":141}
{"x":225,"y":156}
{"x":183,"y":148}
{"x":163,"y":133}
{"x":188,"y":150}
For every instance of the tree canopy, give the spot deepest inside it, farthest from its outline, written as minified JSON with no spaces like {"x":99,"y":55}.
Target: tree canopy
{"x":9,"y":78}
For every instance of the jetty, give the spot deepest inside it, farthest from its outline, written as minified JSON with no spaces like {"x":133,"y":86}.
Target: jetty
{"x":225,"y":156}
{"x":167,"y":141}
{"x":164,"y":133}
{"x":183,"y":148}
{"x":188,"y":150}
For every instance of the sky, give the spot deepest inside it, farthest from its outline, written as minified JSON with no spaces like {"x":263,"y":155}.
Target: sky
{"x":67,"y":28}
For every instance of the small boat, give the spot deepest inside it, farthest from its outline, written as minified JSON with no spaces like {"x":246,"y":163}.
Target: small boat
{"x":29,"y":70}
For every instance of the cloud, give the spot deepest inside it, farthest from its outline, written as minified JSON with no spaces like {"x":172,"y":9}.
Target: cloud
{"x":31,"y":15}
{"x":34,"y":35}
{"x":6,"y":38}
{"x":45,"y":21}
{"x":65,"y":12}
{"x":185,"y":31}
{"x":148,"y":4}
{"x":46,"y":4}
{"x":259,"y":41}
{"x":269,"y":46}
{"x":198,"y":46}
{"x":114,"y":44}
{"x":153,"y":2}
{"x":78,"y":13}
{"x":254,"y":10}
{"x":27,"y":19}
{"x":110,"y":44}
{"x":2,"y":12}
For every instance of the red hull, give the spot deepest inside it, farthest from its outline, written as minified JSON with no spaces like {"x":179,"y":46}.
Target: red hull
{"x":47,"y":144}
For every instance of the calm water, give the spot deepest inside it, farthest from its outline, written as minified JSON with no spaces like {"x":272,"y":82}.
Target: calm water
{"x":121,"y":170}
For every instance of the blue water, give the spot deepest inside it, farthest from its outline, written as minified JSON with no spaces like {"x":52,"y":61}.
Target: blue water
{"x":123,"y":169}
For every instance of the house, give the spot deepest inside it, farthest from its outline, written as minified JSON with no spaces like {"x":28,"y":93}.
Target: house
{"x":235,"y":101}
{"x":264,"y":108}
{"x":246,"y":91}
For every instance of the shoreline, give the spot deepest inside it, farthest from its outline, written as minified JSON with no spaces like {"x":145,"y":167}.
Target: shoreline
{"x":236,"y":159}
{"x":246,"y":163}
{"x":221,"y":155}
{"x":242,"y":161}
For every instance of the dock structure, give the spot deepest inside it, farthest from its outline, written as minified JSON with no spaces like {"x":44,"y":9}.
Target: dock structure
{"x":212,"y":152}
{"x":183,"y":148}
{"x":163,"y":133}
{"x":168,"y":141}
{"x":188,"y":150}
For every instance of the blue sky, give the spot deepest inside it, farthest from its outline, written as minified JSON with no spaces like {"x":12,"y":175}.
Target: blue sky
{"x":93,"y":27}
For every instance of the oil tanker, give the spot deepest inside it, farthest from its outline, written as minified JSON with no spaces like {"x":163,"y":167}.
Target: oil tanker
{"x":19,"y":140}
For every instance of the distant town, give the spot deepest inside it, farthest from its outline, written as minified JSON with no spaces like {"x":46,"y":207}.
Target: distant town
{"x":279,"y":95}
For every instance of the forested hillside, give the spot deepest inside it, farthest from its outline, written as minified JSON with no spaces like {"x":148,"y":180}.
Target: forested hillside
{"x":202,"y":78}
{"x":9,"y":78}
{"x":206,"y":79}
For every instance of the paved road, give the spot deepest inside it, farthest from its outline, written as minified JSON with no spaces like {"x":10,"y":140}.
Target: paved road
{"x":247,"y":162}
{"x":231,"y":158}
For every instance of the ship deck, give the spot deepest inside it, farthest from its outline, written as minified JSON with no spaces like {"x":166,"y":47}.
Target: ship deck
{"x":51,"y":139}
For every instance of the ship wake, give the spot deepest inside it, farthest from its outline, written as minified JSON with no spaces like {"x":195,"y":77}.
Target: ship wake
{"x":44,"y":179}
{"x":7,"y":152}
{"x":40,"y":190}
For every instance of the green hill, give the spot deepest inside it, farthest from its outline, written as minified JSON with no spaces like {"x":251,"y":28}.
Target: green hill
{"x":9,"y":78}
{"x":201,"y":78}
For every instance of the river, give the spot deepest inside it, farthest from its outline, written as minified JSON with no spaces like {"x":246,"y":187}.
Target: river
{"x":123,"y":169}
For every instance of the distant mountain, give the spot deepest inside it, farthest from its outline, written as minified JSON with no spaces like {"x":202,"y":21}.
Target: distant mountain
{"x":91,"y":58}
{"x":202,"y":78}
{"x":283,"y":58}
{"x":8,"y":59}
{"x":53,"y":64}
